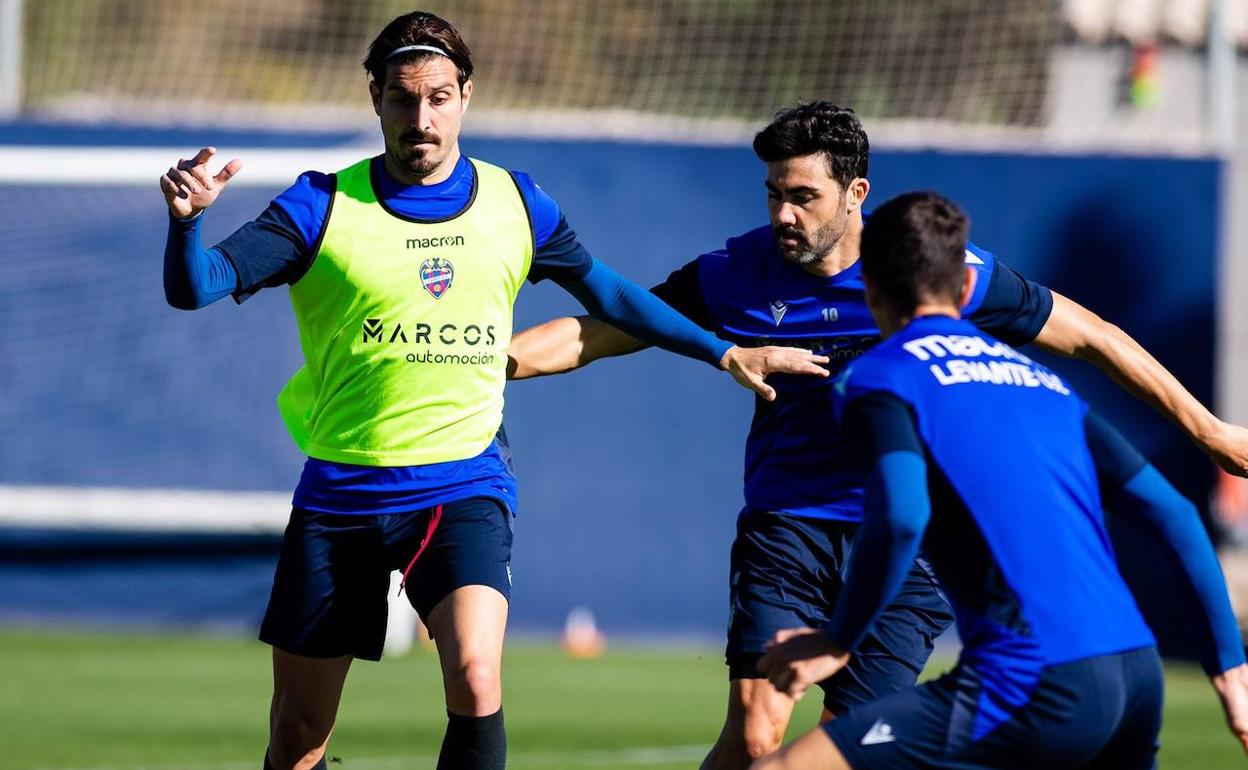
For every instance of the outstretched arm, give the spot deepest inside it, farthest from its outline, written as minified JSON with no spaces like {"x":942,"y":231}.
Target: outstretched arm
{"x":1073,"y":330}
{"x":624,"y":304}
{"x":570,"y":343}
{"x":565,"y":344}
{"x":1137,"y":490}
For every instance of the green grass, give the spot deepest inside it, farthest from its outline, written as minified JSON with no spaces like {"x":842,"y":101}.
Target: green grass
{"x":127,"y":702}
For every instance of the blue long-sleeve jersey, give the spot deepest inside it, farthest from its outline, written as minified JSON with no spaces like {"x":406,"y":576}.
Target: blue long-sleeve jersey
{"x":993,"y":464}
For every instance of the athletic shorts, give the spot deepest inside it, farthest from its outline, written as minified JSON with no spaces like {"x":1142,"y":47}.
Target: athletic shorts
{"x":1101,"y":713}
{"x":787,"y":572}
{"x":329,"y":592}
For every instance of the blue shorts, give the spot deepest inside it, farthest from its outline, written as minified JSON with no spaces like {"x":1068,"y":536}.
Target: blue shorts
{"x":1100,"y":713}
{"x":333,"y":574}
{"x":787,"y":572}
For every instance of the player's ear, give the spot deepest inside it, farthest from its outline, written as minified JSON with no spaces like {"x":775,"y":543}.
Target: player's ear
{"x":465,"y":93}
{"x":856,"y":193}
{"x":374,"y":93}
{"x":969,"y":278}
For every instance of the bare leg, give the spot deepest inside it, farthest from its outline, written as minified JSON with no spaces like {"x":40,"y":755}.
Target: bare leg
{"x":758,"y":715}
{"x":813,"y":750}
{"x":306,"y":692}
{"x":468,"y":627}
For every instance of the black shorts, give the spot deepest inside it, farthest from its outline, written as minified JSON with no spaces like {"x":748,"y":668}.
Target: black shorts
{"x":788,"y":571}
{"x":1101,"y":713}
{"x":329,"y":592}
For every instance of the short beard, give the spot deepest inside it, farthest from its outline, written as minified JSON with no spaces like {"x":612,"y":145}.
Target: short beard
{"x":826,"y":238}
{"x":419,"y":166}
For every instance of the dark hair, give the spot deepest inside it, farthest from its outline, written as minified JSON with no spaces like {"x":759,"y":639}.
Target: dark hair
{"x":914,"y":249}
{"x":817,"y":127}
{"x":417,"y":28}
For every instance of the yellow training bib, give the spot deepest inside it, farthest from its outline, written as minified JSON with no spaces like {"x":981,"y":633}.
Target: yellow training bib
{"x":405,"y":324}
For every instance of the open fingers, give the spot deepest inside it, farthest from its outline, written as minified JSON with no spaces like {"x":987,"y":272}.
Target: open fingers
{"x":797,"y":361}
{"x":203,"y":156}
{"x":202,"y":176}
{"x":168,"y":186}
{"x":761,"y":387}
{"x":228,"y":171}
{"x":184,"y":179}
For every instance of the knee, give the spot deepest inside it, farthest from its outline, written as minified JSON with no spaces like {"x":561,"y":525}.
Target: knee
{"x":475,"y":689}
{"x":762,"y":738}
{"x":297,"y":740}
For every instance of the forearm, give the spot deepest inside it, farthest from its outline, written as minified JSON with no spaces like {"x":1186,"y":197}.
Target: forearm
{"x":565,"y":344}
{"x":1075,"y":331}
{"x":194,"y":276}
{"x":885,"y":547}
{"x":1200,"y":585}
{"x":638,"y":313}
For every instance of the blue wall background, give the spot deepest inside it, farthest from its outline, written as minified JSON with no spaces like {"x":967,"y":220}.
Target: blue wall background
{"x":629,"y":470}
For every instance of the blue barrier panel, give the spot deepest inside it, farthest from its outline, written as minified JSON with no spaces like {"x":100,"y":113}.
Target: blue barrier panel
{"x":630,"y":471}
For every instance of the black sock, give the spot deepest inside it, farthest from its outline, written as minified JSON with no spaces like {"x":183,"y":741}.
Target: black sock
{"x":318,"y":766}
{"x":474,"y":743}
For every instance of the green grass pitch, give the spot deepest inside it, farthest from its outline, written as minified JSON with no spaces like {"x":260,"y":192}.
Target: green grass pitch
{"x":102,"y":702}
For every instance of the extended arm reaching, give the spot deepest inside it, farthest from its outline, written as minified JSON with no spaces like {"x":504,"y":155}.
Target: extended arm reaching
{"x":1073,"y":330}
{"x":1137,"y":490}
{"x":565,"y":344}
{"x":624,"y":304}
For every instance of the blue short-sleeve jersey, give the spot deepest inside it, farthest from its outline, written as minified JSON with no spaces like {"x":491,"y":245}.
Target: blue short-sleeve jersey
{"x":796,"y":461}
{"x":1017,"y":533}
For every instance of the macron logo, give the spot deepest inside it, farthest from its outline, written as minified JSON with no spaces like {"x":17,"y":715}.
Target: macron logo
{"x":880,"y":732}
{"x":971,"y":259}
{"x":778,"y":310}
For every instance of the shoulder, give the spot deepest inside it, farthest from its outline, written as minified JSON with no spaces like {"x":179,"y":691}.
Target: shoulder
{"x":543,"y":209}
{"x":310,"y":187}
{"x":755,"y":244}
{"x":307,"y":202}
{"x":743,"y":254}
{"x":984,"y":263}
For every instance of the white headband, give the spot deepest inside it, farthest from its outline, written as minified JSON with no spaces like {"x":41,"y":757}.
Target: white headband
{"x":406,"y":48}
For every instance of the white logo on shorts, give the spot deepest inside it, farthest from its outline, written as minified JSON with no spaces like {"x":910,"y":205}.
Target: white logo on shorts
{"x":508,"y":573}
{"x":880,"y":732}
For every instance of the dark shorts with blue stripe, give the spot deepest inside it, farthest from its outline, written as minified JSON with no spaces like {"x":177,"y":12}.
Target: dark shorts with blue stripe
{"x":1101,"y":713}
{"x":788,"y":571}
{"x":329,"y":592}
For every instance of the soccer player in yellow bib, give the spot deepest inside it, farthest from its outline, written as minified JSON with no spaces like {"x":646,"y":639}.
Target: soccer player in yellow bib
{"x":402,"y":272}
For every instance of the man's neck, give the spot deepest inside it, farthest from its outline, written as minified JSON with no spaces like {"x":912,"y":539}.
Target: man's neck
{"x":440,"y":174}
{"x":924,"y":309}
{"x":844,"y":254}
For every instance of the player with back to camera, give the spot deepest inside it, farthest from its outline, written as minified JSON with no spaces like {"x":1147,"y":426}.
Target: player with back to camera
{"x":402,"y":272}
{"x":798,"y":281}
{"x":1003,"y":474}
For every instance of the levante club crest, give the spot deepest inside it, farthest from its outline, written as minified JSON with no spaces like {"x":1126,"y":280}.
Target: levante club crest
{"x":436,"y":275}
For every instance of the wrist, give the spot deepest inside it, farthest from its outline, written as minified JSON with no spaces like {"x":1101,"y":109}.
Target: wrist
{"x":187,"y":219}
{"x":1226,"y":680}
{"x":1205,"y":429}
{"x":725,"y":350}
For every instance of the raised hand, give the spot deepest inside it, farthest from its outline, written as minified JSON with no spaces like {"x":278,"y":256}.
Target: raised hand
{"x":800,"y":657}
{"x":750,"y":366}
{"x":188,"y":186}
